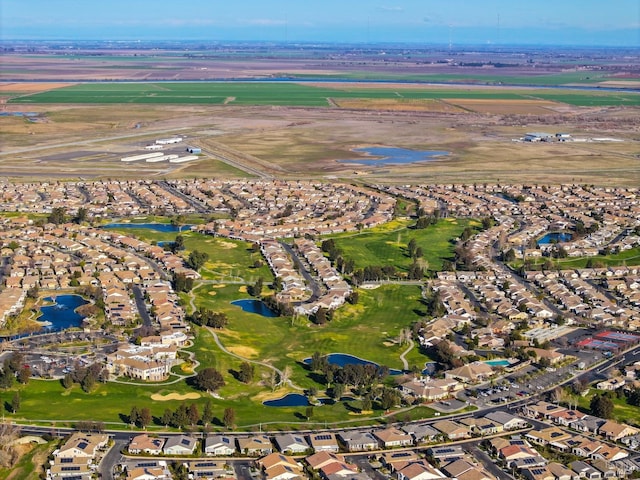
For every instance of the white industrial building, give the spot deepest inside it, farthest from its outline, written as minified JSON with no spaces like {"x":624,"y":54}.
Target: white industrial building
{"x":168,"y":141}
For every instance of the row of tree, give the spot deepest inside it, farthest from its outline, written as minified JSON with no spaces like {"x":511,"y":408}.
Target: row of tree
{"x":208,"y":318}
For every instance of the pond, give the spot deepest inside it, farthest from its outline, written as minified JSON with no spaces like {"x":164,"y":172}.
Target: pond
{"x":289,"y":400}
{"x":158,"y":227}
{"x":254,"y":306}
{"x":62,"y":313}
{"x":554,"y":237}
{"x":392,"y":155}
{"x":342,"y":359}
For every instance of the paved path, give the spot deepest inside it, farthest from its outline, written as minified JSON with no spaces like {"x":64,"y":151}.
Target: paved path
{"x":405,"y":364}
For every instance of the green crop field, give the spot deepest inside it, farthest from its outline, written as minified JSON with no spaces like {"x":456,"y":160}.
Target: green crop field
{"x":293,"y":94}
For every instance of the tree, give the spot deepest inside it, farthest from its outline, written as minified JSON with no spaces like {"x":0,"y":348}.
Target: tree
{"x":58,"y":215}
{"x":411,"y":247}
{"x":246,"y":373}
{"x":67,"y":381}
{"x":81,"y":215}
{"x":209,"y":379}
{"x":24,"y":374}
{"x":197,"y":259}
{"x":337,"y":391}
{"x":144,"y":417}
{"x":167,"y":417}
{"x":255,"y":290}
{"x":133,"y":415}
{"x":182,"y":283}
{"x":207,"y":413}
{"x":15,"y":402}
{"x":229,"y":417}
{"x":366,"y":403}
{"x":601,"y":406}
{"x":178,"y":244}
{"x":193,"y":414}
{"x":309,"y":412}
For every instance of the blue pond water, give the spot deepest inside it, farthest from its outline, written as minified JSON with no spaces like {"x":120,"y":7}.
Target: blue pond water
{"x":62,"y":313}
{"x":393,"y":155}
{"x":342,"y":359}
{"x":162,"y":244}
{"x":19,"y":114}
{"x":555,"y":237}
{"x":254,"y":306}
{"x":290,"y":400}
{"x":158,"y":227}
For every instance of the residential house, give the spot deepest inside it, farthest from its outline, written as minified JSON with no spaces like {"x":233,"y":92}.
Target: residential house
{"x":508,"y":421}
{"x":452,"y":430}
{"x":421,"y":470}
{"x":180,"y":445}
{"x":359,"y":441}
{"x":291,"y":444}
{"x":219,"y":445}
{"x":255,"y":445}
{"x":323,"y":442}
{"x":145,"y":444}
{"x":613,"y":430}
{"x":392,"y":437}
{"x":277,"y":466}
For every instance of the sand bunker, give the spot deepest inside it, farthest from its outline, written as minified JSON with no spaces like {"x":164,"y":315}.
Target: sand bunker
{"x":175,"y":396}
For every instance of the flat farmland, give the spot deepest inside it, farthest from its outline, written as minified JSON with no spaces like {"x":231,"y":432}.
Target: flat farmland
{"x":296,"y":94}
{"x":505,"y":107}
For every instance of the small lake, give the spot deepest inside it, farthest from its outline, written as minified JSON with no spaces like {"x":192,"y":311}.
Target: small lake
{"x":290,"y":400}
{"x":165,"y":243}
{"x":62,"y":313}
{"x":254,"y":306}
{"x":342,"y":359}
{"x":392,"y":155}
{"x":19,"y":114}
{"x":555,"y":237}
{"x":158,"y":227}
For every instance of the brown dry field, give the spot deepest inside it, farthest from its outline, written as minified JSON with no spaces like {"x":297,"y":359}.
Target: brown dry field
{"x":34,"y":87}
{"x":506,"y":107}
{"x":87,"y":142}
{"x":400,"y":104}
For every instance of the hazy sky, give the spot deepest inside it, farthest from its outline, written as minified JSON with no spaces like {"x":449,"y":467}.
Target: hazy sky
{"x":566,"y":22}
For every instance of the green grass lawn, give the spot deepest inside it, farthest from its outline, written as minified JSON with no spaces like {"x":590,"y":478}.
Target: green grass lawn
{"x":628,"y":257}
{"x":293,"y":94}
{"x":367,"y":330}
{"x":622,"y":412}
{"x":389,"y":246}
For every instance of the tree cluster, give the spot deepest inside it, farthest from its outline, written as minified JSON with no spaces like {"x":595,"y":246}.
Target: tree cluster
{"x":182,"y":283}
{"x":209,"y":379}
{"x":208,"y":318}
{"x":196,"y":260}
{"x":255,"y":290}
{"x":13,"y":369}
{"x":277,"y":307}
{"x":87,"y":377}
{"x":356,"y":375}
{"x":425,"y":221}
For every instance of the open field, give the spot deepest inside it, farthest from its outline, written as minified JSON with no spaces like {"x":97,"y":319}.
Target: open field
{"x":87,"y":141}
